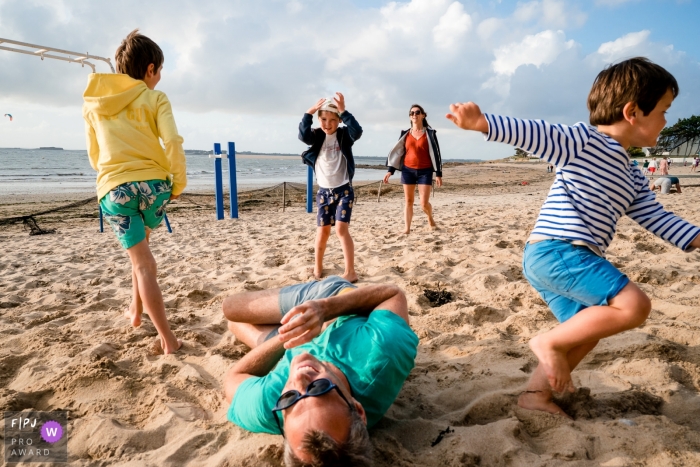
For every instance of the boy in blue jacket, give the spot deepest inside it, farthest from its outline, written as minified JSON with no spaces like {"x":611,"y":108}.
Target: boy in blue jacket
{"x":330,"y":155}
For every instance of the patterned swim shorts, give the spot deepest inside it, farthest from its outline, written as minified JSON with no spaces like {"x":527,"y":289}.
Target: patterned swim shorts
{"x":132,"y":207}
{"x":334,"y":204}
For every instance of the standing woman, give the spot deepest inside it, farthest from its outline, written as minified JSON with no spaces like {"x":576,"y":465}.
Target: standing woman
{"x":417,"y":156}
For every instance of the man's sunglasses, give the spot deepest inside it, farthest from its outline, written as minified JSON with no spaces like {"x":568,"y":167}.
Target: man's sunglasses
{"x":316,"y":388}
{"x":415,"y":112}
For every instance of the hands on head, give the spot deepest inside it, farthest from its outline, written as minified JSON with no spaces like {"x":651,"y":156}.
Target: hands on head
{"x":468,"y":116}
{"x":338,"y":99}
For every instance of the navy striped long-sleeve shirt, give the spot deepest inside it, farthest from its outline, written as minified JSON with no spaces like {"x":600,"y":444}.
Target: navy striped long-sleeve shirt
{"x":595,"y":184}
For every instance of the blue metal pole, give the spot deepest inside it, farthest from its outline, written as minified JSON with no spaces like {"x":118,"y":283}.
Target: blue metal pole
{"x":102,"y":227}
{"x":233,"y":186}
{"x":309,"y":189}
{"x":219,"y":188}
{"x":167,"y":223}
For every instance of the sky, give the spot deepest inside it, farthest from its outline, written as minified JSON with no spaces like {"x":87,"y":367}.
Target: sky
{"x":246,"y":71}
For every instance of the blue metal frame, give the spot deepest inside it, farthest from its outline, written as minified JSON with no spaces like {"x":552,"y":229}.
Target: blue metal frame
{"x":219,"y":188}
{"x":309,"y":189}
{"x":233,"y":186}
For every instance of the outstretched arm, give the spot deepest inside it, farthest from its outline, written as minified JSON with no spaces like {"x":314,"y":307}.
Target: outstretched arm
{"x":556,"y":144}
{"x":258,"y":362}
{"x":304,"y":322}
{"x":468,"y":117}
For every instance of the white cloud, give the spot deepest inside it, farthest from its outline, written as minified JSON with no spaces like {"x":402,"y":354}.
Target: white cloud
{"x":489,"y":27}
{"x":625,"y":46}
{"x":550,"y":13}
{"x":613,"y":3}
{"x":452,"y":26}
{"x":538,"y":49}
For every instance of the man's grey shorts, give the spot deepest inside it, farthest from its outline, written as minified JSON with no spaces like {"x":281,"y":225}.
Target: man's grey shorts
{"x":294,"y":295}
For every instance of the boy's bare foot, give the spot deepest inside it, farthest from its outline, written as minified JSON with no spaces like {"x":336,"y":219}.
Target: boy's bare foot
{"x":159,"y":347}
{"x":434,"y":226}
{"x":317,"y":273}
{"x":350,"y":277}
{"x":554,"y":364}
{"x":133,"y":314}
{"x":540,"y":400}
{"x":406,"y":231}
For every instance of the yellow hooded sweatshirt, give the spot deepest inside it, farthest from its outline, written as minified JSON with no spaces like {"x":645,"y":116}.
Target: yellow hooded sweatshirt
{"x":123,"y":121}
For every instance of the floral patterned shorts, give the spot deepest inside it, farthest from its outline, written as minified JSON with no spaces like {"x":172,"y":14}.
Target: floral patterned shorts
{"x":334,"y":204}
{"x":132,"y":207}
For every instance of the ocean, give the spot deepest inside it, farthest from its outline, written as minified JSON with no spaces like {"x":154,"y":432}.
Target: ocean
{"x":27,"y":171}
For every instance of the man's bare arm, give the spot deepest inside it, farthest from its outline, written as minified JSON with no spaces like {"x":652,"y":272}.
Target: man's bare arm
{"x":304,"y":322}
{"x":258,"y":362}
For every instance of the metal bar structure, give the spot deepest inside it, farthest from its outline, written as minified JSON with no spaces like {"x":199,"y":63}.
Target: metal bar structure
{"x":309,"y":189}
{"x":232,"y":185}
{"x":167,"y":223}
{"x":218,"y":183}
{"x":64,"y":55}
{"x":102,"y":226}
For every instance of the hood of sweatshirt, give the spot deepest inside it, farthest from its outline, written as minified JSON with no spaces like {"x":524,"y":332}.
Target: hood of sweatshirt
{"x":109,"y":93}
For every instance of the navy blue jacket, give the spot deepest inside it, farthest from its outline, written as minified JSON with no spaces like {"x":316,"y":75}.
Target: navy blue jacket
{"x":347,"y":135}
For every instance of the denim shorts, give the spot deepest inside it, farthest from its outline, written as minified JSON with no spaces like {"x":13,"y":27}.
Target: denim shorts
{"x":334,"y":204}
{"x":411,"y":176}
{"x":294,"y":295}
{"x":570,"y":277}
{"x":132,"y":207}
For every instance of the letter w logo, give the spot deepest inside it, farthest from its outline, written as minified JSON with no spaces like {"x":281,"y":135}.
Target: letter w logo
{"x":52,"y":432}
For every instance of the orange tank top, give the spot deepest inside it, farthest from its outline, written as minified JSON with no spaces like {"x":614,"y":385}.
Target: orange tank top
{"x":417,"y":154}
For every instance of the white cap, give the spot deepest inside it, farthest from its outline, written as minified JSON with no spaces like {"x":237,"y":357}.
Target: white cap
{"x":329,"y":106}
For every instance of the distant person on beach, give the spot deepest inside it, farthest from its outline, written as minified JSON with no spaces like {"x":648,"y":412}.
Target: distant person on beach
{"x":696,"y":161}
{"x":663,"y":167}
{"x":417,"y":156}
{"x":652,"y":166}
{"x":126,"y":119}
{"x":664,"y":184}
{"x":564,"y":256}
{"x":330,"y":155}
{"x":646,"y":166}
{"x":327,"y":361}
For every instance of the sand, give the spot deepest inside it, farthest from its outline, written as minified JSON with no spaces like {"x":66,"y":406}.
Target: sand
{"x":66,"y":346}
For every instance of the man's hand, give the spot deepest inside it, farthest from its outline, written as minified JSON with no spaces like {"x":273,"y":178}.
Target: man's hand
{"x":438,"y":181}
{"x":316,"y":106}
{"x":302,"y":323}
{"x":468,"y":117}
{"x":386,"y":177}
{"x":339,"y":100}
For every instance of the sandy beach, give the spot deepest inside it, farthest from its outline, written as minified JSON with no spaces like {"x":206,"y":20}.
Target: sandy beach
{"x":66,"y":345}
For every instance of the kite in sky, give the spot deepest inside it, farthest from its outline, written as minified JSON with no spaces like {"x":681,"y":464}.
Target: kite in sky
{"x":8,"y":115}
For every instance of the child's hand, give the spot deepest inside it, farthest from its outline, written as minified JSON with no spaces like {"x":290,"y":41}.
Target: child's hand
{"x":339,"y":102}
{"x":316,"y":106}
{"x":468,"y":117}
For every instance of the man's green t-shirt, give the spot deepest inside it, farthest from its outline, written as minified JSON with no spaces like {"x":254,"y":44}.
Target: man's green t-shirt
{"x":376,"y":353}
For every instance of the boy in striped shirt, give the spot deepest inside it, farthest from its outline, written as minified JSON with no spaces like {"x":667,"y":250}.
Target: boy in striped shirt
{"x":595,"y":185}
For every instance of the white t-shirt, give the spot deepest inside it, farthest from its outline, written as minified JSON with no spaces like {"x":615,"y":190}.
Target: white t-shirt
{"x":331,"y":166}
{"x":653,"y":164}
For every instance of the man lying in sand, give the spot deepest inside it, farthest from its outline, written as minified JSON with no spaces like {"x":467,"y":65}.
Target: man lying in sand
{"x":664,"y":185}
{"x":317,"y":380}
{"x":595,"y":185}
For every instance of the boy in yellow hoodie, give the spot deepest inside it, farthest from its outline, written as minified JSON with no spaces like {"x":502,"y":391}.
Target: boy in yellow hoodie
{"x":136,"y":178}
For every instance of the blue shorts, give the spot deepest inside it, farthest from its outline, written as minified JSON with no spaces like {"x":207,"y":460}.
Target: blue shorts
{"x":570,"y":277}
{"x":294,"y":295}
{"x":334,"y":204}
{"x":411,"y":176}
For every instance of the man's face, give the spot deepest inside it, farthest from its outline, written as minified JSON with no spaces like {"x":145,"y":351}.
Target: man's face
{"x":329,"y":121}
{"x":648,"y":127}
{"x":328,"y":413}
